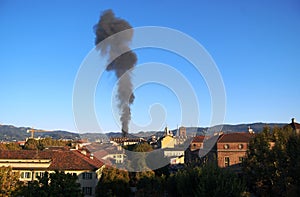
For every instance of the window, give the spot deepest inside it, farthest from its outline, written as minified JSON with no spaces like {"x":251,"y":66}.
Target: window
{"x":226,"y":146}
{"x":87,"y":191}
{"x":226,"y":161}
{"x":25,"y":175}
{"x":241,"y":146}
{"x":241,"y":159}
{"x":39,"y":174}
{"x":87,"y":175}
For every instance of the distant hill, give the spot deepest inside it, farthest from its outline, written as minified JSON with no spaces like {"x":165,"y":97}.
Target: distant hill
{"x":12,"y":133}
{"x":227,"y":128}
{"x":257,"y":127}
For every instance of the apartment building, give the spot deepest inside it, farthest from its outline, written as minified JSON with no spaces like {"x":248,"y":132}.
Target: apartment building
{"x":33,"y":163}
{"x":232,"y":148}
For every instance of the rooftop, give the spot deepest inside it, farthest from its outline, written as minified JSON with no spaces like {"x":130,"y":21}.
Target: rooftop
{"x":60,"y":159}
{"x":235,"y":137}
{"x":198,"y":139}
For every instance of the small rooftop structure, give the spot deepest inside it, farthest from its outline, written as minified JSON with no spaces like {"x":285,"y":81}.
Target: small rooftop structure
{"x":295,"y":126}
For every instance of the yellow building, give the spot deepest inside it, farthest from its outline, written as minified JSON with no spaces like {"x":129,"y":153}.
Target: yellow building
{"x":32,"y":163}
{"x":167,"y":142}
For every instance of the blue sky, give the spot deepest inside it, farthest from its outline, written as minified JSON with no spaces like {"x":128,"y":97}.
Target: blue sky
{"x":255,"y":44}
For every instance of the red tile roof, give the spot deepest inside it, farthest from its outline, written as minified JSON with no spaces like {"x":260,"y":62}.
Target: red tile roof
{"x":198,"y":139}
{"x":60,"y":159}
{"x":235,"y":137}
{"x":21,"y":154}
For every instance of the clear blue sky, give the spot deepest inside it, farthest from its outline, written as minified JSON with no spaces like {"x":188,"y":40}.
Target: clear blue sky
{"x":256,"y":45}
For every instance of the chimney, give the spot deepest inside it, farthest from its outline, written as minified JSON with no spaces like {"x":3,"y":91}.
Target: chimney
{"x":91,"y":156}
{"x":293,"y":120}
{"x":250,"y":130}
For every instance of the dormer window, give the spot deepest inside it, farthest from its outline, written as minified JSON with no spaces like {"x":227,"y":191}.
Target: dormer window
{"x":240,"y":146}
{"x":226,"y":146}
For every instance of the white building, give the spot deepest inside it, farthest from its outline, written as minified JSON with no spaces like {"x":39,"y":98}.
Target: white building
{"x":32,"y":163}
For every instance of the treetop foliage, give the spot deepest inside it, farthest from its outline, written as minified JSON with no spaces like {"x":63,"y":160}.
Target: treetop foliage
{"x":272,"y":166}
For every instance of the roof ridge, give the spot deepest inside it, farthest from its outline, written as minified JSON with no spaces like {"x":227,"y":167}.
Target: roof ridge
{"x":87,"y":159}
{"x":220,"y":138}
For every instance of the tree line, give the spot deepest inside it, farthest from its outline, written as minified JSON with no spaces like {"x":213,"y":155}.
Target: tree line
{"x":272,"y":166}
{"x":33,"y":144}
{"x":58,"y":184}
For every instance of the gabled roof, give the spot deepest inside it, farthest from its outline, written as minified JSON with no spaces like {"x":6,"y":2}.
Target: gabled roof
{"x":235,"y":137}
{"x":22,"y":154}
{"x":60,"y":159}
{"x":198,"y":139}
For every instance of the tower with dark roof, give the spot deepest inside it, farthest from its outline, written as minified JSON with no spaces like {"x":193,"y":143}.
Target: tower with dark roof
{"x":295,"y":126}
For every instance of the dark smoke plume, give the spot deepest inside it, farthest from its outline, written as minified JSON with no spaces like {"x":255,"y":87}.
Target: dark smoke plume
{"x":107,"y":26}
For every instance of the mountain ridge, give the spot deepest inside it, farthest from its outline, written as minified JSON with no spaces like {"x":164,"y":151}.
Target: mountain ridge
{"x":13,"y":133}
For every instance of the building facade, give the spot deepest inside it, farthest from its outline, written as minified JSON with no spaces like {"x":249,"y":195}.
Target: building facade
{"x":30,"y":164}
{"x":197,"y":142}
{"x":232,"y":148}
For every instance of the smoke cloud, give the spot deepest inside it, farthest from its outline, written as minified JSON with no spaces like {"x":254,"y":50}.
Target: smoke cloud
{"x":121,"y":65}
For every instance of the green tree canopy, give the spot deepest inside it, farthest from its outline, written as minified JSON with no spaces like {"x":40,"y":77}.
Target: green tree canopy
{"x":10,"y":146}
{"x":272,"y":166}
{"x":143,"y":147}
{"x":13,"y":146}
{"x":152,"y":186}
{"x":9,"y":181}
{"x":40,"y":144}
{"x":208,"y":180}
{"x":56,"y":184}
{"x":113,"y":182}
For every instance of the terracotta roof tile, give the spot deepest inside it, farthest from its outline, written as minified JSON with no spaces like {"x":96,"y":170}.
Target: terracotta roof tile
{"x":235,"y":137}
{"x":60,"y":159}
{"x":198,"y":139}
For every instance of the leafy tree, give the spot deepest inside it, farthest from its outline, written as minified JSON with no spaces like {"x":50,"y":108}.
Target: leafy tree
{"x":13,"y":146}
{"x":143,"y":147}
{"x":138,"y":160}
{"x":156,"y":159}
{"x":9,"y":181}
{"x":3,"y":146}
{"x":293,"y":164}
{"x":56,"y":184}
{"x":208,"y":180}
{"x":32,"y":144}
{"x":151,"y":186}
{"x":10,"y":146}
{"x":113,"y":182}
{"x":40,"y":144}
{"x":272,"y":164}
